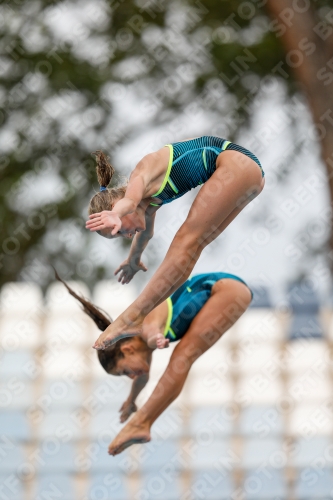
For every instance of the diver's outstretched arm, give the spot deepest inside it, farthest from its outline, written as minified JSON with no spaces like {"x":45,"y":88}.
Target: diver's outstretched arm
{"x":129,"y":406}
{"x":229,"y":300}
{"x":133,"y":263}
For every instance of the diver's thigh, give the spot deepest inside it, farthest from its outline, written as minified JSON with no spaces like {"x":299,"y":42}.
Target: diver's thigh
{"x":228,"y":302}
{"x":226,"y":192}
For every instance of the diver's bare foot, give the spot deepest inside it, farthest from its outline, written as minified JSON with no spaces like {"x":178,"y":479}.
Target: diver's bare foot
{"x":133,"y":433}
{"x":105,"y":340}
{"x":161,"y":341}
{"x":115,"y":332}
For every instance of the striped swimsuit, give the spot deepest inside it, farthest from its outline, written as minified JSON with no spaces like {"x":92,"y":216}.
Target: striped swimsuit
{"x":186,"y":302}
{"x":192,"y":163}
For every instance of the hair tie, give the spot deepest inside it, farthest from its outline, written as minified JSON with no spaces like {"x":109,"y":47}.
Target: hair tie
{"x":102,"y":188}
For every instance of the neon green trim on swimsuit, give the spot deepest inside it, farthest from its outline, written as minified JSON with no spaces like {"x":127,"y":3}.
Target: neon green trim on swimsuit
{"x":225,"y":145}
{"x":172,"y":333}
{"x":173,"y":187}
{"x":169,"y":319}
{"x":204,"y":158}
{"x":170,"y":146}
{"x":188,"y":289}
{"x":154,"y":204}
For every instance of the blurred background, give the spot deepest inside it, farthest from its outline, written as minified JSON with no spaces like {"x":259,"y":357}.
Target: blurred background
{"x":128,"y":77}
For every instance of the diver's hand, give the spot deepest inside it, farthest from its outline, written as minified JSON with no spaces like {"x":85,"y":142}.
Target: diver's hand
{"x":161,"y":341}
{"x":157,"y":341}
{"x":104,"y":220}
{"x":127,"y":271}
{"x":127,"y":409}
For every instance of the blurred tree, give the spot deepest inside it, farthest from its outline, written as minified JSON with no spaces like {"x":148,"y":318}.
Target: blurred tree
{"x":306,"y":31}
{"x":72,"y":75}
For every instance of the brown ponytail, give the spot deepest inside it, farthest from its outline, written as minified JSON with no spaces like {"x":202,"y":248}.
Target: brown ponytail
{"x":107,"y":197}
{"x":104,"y":169}
{"x":109,"y":357}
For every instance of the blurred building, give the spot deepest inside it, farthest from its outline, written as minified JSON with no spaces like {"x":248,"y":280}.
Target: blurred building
{"x":253,"y":422}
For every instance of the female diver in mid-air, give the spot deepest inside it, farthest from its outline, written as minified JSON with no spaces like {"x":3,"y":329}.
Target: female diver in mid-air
{"x":197,"y":314}
{"x":231,"y":176}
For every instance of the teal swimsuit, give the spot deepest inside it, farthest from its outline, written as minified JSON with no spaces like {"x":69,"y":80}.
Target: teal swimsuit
{"x":188,"y":300}
{"x":192,"y":163}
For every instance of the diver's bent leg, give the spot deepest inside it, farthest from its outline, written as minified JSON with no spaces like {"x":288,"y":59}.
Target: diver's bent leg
{"x":229,"y":300}
{"x":228,"y":190}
